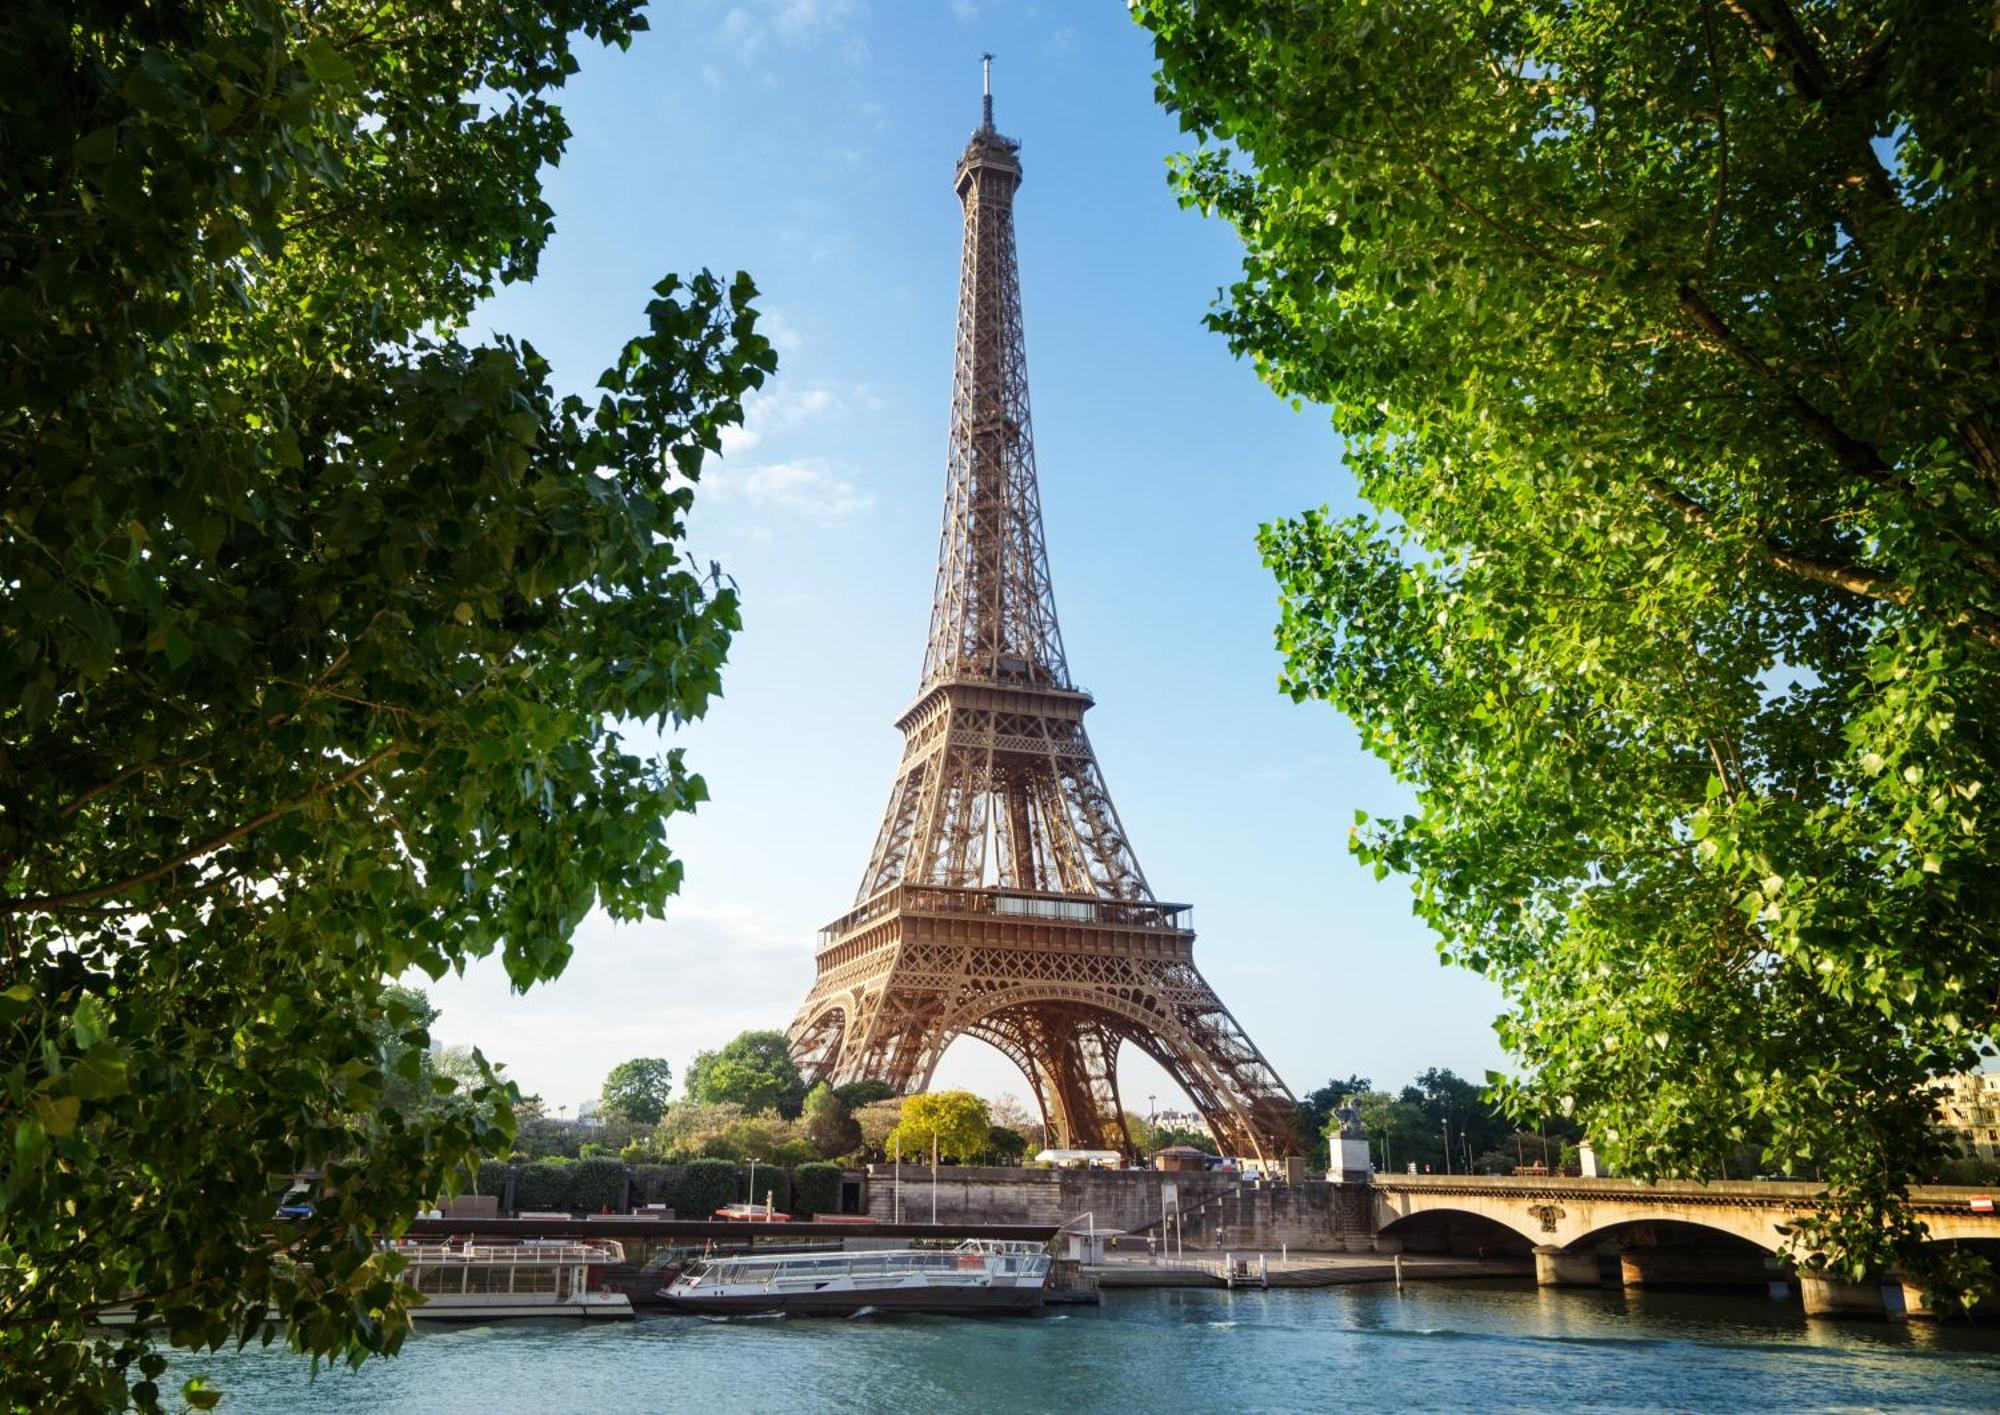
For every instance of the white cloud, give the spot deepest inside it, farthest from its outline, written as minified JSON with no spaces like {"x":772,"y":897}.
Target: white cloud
{"x":794,"y":24}
{"x":808,"y":486}
{"x":1060,"y":44}
{"x":782,"y":333}
{"x":966,"y":10}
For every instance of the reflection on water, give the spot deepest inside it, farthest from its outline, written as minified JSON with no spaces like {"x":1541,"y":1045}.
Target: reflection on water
{"x":1429,"y":1347}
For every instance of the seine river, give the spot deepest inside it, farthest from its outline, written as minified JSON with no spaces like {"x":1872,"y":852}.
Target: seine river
{"x":1432,"y":1347}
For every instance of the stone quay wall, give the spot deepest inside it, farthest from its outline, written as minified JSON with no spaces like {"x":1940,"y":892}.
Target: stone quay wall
{"x":1252,"y":1215}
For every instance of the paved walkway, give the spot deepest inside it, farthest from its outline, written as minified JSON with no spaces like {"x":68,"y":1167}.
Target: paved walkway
{"x":1126,"y":1269}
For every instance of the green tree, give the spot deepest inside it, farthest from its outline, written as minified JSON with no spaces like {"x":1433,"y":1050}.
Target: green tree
{"x":856,"y":1094}
{"x":1400,"y":1132}
{"x":957,"y":1120}
{"x":1661,"y":340}
{"x":755,"y":1071}
{"x":691,"y":1129}
{"x":878,"y":1121}
{"x":1316,"y":1108}
{"x":637,"y":1090}
{"x":319,"y":614}
{"x":827,"y":1124}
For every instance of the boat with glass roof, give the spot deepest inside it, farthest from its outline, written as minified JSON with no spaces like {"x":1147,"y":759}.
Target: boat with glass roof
{"x":977,"y":1276}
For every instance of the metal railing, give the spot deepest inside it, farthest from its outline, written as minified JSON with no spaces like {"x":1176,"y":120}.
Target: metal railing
{"x":1056,"y":908}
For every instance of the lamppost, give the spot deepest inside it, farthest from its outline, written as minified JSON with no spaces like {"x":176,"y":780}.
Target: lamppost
{"x":753,"y":1185}
{"x":1447,"y":1146}
{"x":934,"y":1169}
{"x":899,"y":1179}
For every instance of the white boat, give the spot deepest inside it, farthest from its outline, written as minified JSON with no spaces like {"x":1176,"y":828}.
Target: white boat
{"x":979,"y":1275}
{"x":470,"y":1281}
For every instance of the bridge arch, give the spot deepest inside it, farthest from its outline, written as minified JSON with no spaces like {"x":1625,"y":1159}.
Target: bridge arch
{"x":1751,"y":1230}
{"x":1444,"y":1227}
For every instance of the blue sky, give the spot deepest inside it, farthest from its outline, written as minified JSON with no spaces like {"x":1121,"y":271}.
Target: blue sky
{"x":811,"y":143}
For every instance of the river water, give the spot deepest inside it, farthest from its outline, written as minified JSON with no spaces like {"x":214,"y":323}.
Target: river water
{"x":1485,"y":1346}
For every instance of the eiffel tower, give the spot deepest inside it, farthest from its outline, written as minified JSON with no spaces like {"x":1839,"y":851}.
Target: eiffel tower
{"x":1003,"y":900}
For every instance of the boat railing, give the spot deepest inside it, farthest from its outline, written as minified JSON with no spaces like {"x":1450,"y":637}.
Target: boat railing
{"x":602,"y":1252}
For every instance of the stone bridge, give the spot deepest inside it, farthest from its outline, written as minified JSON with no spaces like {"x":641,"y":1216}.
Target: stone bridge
{"x":1670,"y":1234}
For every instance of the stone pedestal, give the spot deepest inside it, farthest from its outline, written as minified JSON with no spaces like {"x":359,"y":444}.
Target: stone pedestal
{"x":1556,"y":1267}
{"x":1351,"y":1162}
{"x":1826,"y":1296}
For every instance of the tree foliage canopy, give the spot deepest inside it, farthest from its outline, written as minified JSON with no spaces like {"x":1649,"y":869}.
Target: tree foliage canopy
{"x":957,"y":1120}
{"x":827,"y":1123}
{"x":754,"y":1070}
{"x":318,"y":617}
{"x":637,"y":1090}
{"x":1661,"y":339}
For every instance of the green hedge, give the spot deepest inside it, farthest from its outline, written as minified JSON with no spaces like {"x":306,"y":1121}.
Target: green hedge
{"x":774,"y":1180}
{"x":703,"y":1187}
{"x":653,"y":1183}
{"x":816,"y":1188}
{"x":544,"y":1186}
{"x":597,"y":1184}
{"x":493,"y":1177}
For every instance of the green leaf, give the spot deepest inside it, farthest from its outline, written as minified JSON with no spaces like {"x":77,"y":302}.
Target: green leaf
{"x":99,"y":1073}
{"x":57,"y":1115}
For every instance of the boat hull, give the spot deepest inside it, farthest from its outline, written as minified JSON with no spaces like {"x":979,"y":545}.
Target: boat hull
{"x":439,"y":1309}
{"x":956,"y":1302}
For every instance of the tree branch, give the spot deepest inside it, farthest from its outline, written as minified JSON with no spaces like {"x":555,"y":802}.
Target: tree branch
{"x":1502,"y":229}
{"x":1786,"y":43}
{"x":1863,"y":580}
{"x":57,"y":903}
{"x":1856,"y":456}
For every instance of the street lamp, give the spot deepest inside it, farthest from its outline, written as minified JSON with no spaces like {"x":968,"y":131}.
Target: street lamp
{"x":1447,"y":1146}
{"x":753,"y":1185}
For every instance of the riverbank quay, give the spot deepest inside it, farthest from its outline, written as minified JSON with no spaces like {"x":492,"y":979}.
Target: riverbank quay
{"x":1269,"y":1270}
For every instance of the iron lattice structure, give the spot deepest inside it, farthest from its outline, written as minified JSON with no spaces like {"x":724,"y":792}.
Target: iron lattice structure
{"x":1002,"y":899}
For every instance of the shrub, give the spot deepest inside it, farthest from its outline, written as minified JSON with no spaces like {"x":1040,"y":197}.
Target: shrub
{"x":598,"y":1183}
{"x":816,"y":1188}
{"x":493,"y":1177}
{"x":654,"y":1183}
{"x":543,"y":1185}
{"x":703,"y":1187}
{"x":777,"y":1182}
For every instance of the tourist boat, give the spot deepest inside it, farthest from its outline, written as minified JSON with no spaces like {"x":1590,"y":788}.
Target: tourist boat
{"x":469,"y":1281}
{"x":979,"y":1275}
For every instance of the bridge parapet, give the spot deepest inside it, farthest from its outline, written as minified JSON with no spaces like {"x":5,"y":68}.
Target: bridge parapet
{"x":1561,"y":1213}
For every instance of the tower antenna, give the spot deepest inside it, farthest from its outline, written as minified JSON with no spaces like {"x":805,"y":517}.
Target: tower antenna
{"x":986,"y":67}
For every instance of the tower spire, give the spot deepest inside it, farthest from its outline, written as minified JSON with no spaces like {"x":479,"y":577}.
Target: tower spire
{"x":986,"y":68}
